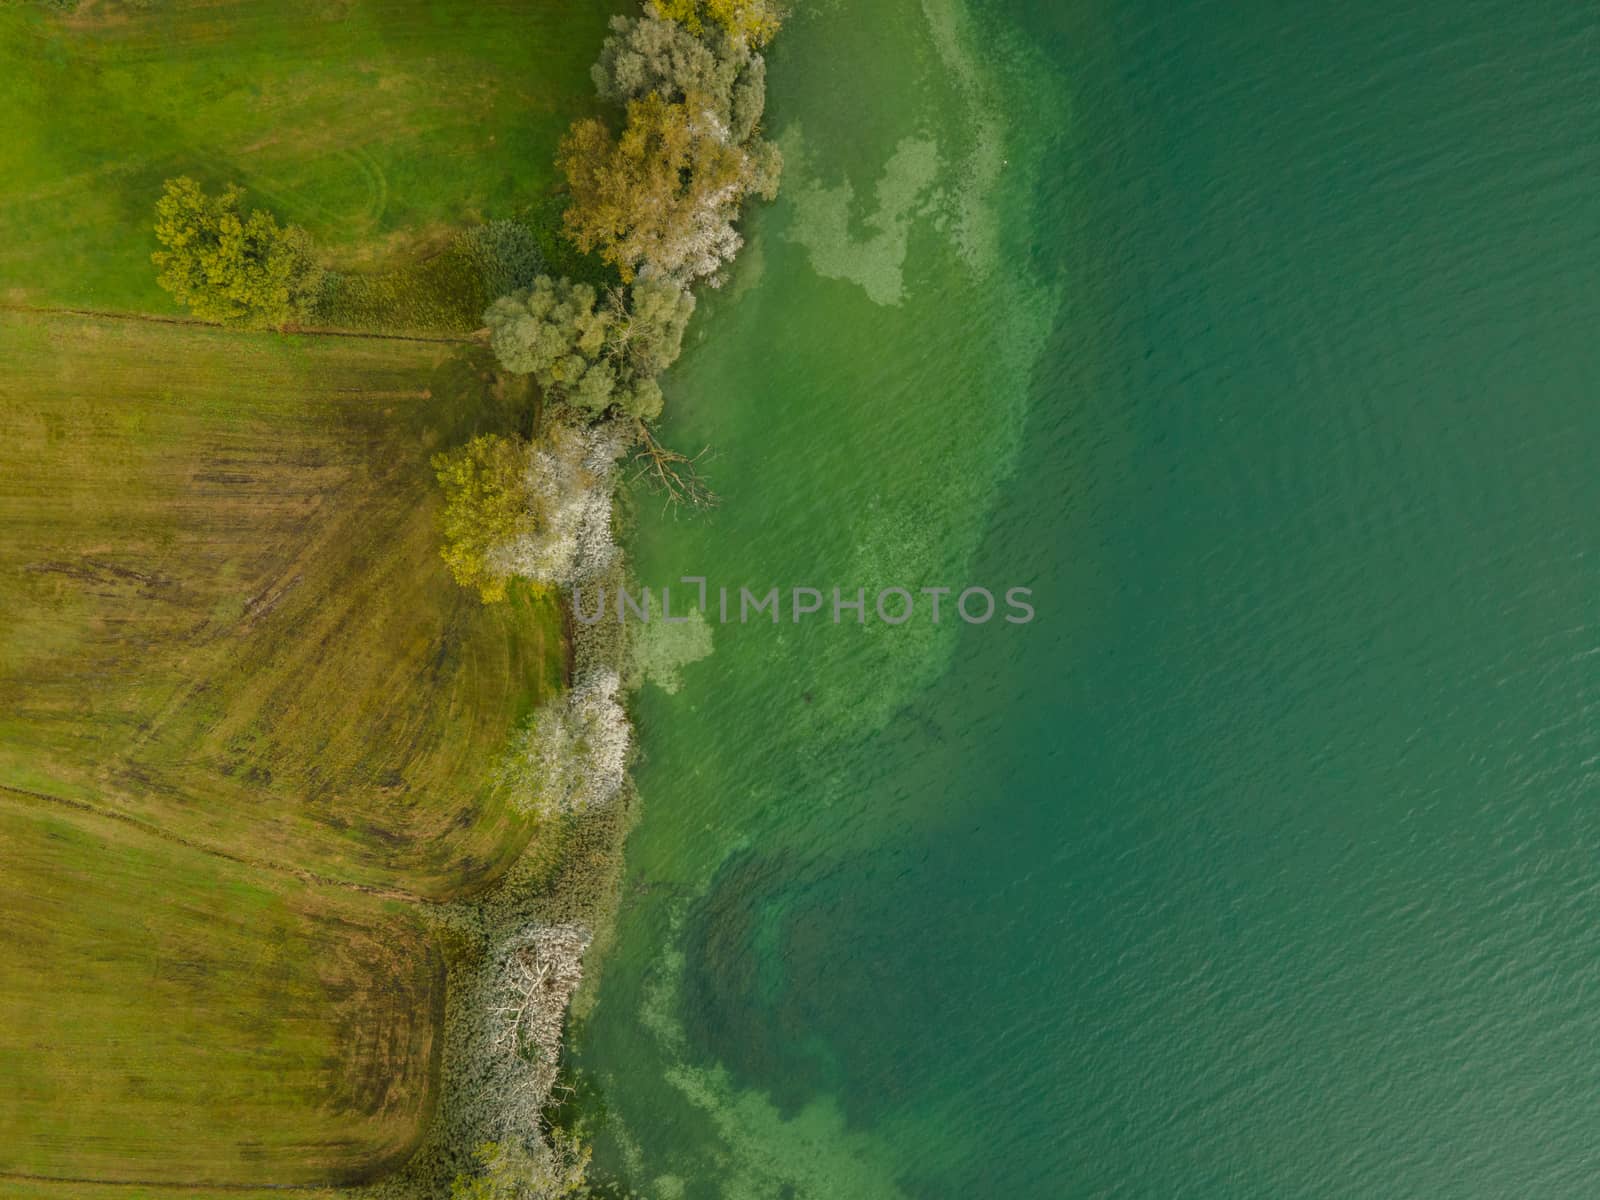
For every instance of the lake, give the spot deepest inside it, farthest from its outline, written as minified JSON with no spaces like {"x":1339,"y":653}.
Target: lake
{"x":1258,"y":341}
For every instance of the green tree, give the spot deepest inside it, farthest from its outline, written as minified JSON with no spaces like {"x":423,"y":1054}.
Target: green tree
{"x":596,"y":356}
{"x":665,"y":193}
{"x":751,"y":22}
{"x":651,"y":54}
{"x":228,"y":266}
{"x":485,"y":508}
{"x":647,"y":336}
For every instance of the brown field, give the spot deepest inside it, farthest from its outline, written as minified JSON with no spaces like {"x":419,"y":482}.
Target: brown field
{"x":16,"y":1188}
{"x":226,"y":613}
{"x":169,"y":1016}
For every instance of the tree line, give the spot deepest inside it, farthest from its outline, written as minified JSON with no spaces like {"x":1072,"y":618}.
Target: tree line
{"x":654,"y":190}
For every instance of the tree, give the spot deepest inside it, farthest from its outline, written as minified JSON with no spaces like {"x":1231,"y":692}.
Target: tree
{"x":647,"y":335}
{"x":552,"y":331}
{"x":539,"y":512}
{"x":751,"y":22}
{"x":230,"y":267}
{"x":597,"y":357}
{"x":485,"y":507}
{"x":665,"y":193}
{"x":650,"y":54}
{"x":675,"y":476}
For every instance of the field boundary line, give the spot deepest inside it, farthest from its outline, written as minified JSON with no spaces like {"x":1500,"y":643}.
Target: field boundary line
{"x":195,"y":323}
{"x":243,"y":860}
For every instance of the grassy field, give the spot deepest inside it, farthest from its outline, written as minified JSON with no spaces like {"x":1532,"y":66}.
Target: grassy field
{"x":376,"y":124}
{"x":226,"y":613}
{"x":16,"y":1188}
{"x":168,"y":1016}
{"x":245,"y":717}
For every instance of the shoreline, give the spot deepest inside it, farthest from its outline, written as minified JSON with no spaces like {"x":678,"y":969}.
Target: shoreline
{"x":566,"y":881}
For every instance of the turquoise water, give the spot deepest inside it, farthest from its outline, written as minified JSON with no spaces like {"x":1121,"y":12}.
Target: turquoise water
{"x":1260,"y":342}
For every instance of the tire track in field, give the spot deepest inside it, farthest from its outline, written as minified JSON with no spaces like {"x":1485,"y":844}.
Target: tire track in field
{"x":195,"y":323}
{"x":244,"y":860}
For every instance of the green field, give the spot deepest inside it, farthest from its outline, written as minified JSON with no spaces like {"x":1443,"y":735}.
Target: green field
{"x":376,"y":124}
{"x":246,"y":720}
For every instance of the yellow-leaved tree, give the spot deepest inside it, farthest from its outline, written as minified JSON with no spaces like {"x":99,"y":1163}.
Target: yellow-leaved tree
{"x":232,"y":267}
{"x":666,"y":191}
{"x":485,"y":508}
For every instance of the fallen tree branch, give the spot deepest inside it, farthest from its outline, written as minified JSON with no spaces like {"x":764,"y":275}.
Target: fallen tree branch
{"x":676,"y":476}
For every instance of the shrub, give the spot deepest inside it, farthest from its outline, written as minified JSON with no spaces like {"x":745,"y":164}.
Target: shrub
{"x":502,"y":255}
{"x":509,"y":1171}
{"x":446,"y":292}
{"x":573,"y":754}
{"x":567,"y":482}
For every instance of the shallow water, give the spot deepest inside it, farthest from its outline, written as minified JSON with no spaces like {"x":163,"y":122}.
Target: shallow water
{"x":1260,"y":343}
